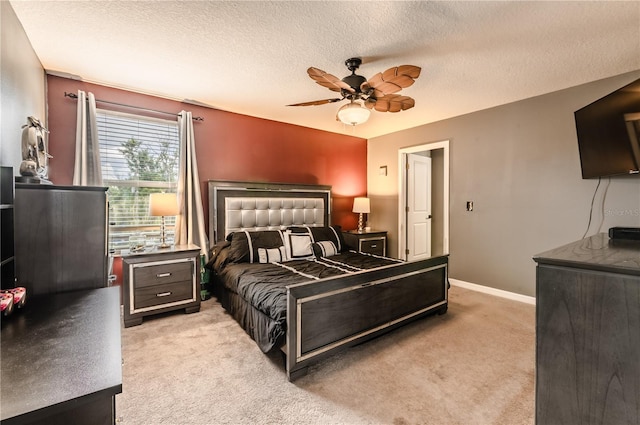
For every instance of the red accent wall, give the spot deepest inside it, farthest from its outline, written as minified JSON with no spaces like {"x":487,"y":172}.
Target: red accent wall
{"x":229,"y":146}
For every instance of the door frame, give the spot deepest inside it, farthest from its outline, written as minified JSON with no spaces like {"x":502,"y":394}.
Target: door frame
{"x":402,"y":195}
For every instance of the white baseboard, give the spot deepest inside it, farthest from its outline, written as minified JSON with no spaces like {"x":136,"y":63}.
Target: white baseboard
{"x":493,"y":291}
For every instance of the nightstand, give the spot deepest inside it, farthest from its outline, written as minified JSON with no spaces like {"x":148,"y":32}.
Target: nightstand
{"x":159,"y":280}
{"x":370,"y":242}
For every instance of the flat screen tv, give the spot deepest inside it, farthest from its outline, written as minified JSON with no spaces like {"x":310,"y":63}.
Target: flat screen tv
{"x":609,"y":133}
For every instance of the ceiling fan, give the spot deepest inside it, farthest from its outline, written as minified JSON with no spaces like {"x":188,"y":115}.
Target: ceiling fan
{"x":378,"y":92}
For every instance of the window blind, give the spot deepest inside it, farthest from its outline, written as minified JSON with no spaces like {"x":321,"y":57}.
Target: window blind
{"x":139,"y":156}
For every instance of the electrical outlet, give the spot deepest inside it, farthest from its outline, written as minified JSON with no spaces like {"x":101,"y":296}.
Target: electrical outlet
{"x":469,"y":205}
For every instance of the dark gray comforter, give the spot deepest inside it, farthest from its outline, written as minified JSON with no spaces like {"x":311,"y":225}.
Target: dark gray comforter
{"x":256,"y":295}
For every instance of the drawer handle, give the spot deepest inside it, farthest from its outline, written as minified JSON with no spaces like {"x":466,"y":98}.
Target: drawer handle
{"x":163,"y":275}
{"x":374,"y":246}
{"x":163,"y":294}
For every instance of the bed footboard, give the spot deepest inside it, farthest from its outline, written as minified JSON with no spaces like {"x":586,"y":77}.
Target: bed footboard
{"x":331,"y":314}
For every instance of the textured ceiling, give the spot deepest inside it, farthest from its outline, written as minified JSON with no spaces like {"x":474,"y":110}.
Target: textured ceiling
{"x":251,"y":57}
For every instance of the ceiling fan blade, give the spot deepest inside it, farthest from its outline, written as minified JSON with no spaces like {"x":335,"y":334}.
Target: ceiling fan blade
{"x":329,"y":81}
{"x":394,"y":103}
{"x":394,"y":79}
{"x":408,"y":70}
{"x":317,"y":102}
{"x":370,"y":103}
{"x":366,"y":88}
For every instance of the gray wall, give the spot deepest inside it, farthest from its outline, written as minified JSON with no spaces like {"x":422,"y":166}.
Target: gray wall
{"x":437,"y":194}
{"x":22,"y":86}
{"x":519,"y":164}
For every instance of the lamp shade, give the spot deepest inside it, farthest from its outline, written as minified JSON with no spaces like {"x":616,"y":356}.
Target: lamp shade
{"x":361,"y":205}
{"x":163,"y":204}
{"x":353,"y":113}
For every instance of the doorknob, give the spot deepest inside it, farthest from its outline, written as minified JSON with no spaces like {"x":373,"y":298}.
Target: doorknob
{"x":429,"y":216}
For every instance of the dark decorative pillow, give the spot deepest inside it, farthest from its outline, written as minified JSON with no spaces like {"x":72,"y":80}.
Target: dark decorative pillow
{"x":329,"y":233}
{"x":218,"y":255}
{"x":324,"y":249}
{"x":245,"y":244}
{"x":298,"y":245}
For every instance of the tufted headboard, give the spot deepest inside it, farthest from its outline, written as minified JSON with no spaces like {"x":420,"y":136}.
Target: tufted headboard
{"x":236,"y":205}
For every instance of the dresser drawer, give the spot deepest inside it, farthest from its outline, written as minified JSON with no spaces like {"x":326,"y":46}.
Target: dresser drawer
{"x":165,"y":273}
{"x":158,"y":295}
{"x":375,"y":246}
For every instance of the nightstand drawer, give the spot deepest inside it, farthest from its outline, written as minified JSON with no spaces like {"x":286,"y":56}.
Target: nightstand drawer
{"x":163,"y":294}
{"x":375,"y":246}
{"x":160,"y":274}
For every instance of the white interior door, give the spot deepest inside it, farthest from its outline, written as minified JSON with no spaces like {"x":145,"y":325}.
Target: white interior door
{"x":418,"y":207}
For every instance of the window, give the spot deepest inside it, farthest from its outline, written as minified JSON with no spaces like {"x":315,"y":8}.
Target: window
{"x":139,"y":156}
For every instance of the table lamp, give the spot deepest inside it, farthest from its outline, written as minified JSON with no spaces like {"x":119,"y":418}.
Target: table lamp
{"x":361,"y":206}
{"x":163,"y":204}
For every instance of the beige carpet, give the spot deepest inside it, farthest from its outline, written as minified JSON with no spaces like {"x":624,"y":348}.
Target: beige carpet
{"x":473,"y":365}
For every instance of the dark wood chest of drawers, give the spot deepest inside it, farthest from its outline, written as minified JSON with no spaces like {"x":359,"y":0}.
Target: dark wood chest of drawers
{"x":159,"y":281}
{"x":60,"y":237}
{"x":588,"y":333}
{"x":62,"y":359}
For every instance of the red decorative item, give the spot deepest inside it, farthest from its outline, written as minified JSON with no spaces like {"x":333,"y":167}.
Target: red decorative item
{"x":12,"y":298}
{"x":6,"y":303}
{"x":19,"y":296}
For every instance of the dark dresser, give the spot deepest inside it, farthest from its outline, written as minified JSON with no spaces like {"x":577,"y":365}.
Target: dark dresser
{"x":588,"y":333}
{"x":61,"y":359}
{"x":60,"y":237}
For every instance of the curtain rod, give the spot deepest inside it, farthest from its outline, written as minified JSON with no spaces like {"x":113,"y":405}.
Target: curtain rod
{"x":75,"y":96}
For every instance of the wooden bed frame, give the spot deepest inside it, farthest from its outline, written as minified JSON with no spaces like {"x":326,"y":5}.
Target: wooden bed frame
{"x":331,"y":314}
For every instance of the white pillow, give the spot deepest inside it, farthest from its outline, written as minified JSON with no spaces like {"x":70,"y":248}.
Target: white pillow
{"x":325,"y":249}
{"x":272,"y":255}
{"x":299,"y":246}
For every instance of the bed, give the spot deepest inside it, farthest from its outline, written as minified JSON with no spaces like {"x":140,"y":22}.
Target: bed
{"x":283,"y":272}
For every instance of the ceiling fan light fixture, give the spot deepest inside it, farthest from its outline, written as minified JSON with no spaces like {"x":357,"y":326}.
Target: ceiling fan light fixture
{"x":353,"y":113}
{"x":378,"y":92}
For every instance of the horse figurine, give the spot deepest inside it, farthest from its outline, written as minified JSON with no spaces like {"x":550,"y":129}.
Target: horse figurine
{"x":34,"y":149}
